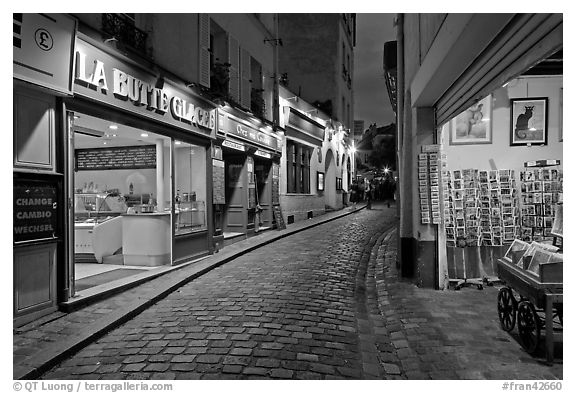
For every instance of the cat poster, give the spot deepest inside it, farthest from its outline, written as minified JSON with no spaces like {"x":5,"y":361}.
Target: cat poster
{"x":528,"y":121}
{"x":474,"y":125}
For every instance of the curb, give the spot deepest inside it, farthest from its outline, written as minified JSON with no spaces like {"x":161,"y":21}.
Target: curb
{"x":36,"y":365}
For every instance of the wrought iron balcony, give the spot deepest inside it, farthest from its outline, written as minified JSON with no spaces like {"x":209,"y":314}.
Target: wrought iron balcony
{"x":122,"y":28}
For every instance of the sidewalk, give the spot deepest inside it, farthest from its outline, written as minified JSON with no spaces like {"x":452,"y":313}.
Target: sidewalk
{"x":42,"y":344}
{"x":450,"y":334}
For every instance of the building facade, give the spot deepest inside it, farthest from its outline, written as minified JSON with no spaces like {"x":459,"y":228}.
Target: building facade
{"x":317,"y":57}
{"x":127,"y":126}
{"x":449,"y":66}
{"x":134,"y":137}
{"x":317,"y":160}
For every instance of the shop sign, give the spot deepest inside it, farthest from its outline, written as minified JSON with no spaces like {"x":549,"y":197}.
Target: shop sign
{"x":252,"y":135}
{"x":262,"y":154}
{"x":305,"y":124}
{"x":35,"y":210}
{"x":43,"y":46}
{"x":431,"y":148}
{"x":104,"y":78}
{"x":234,"y":145}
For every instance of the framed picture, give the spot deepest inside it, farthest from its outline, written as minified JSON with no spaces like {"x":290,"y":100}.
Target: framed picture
{"x":320,"y":180}
{"x":561,"y":110}
{"x":528,"y":121}
{"x":474,"y":125}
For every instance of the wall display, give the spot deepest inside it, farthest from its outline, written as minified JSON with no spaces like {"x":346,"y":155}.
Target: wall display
{"x":541,"y":191}
{"x":474,"y":125}
{"x":429,"y":168}
{"x":528,"y":121}
{"x":482,"y":208}
{"x":122,"y":157}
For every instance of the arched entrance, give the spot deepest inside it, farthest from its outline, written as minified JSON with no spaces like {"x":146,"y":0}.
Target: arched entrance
{"x":330,"y":199}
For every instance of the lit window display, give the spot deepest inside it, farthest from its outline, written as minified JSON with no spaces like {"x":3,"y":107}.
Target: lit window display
{"x":190,"y":184}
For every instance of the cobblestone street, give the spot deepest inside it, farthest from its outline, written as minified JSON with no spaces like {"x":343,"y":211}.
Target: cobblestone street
{"x":324,"y":303}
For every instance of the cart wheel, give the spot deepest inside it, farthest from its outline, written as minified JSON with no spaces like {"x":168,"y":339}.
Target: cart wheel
{"x":528,"y":326}
{"x":506,"y":309}
{"x":559,"y":312}
{"x":479,"y":286}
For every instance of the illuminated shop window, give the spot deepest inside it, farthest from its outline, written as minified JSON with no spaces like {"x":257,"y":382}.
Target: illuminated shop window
{"x":190,"y":185}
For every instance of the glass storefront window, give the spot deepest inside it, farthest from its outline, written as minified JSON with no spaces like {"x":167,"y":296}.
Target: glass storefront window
{"x":122,"y":193}
{"x":190,"y":185}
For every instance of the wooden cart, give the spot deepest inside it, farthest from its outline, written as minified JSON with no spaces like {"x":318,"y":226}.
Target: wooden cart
{"x":539,"y":306}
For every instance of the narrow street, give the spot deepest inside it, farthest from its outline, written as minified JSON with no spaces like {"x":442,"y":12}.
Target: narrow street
{"x":321,"y":304}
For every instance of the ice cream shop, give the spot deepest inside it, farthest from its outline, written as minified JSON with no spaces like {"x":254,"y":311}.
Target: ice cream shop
{"x":111,"y":172}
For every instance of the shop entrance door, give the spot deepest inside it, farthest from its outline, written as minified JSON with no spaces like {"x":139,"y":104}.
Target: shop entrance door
{"x":235,"y":222}
{"x":263,"y":173}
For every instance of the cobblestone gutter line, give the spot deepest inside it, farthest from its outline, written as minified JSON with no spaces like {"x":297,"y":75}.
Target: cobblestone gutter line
{"x":378,"y":359}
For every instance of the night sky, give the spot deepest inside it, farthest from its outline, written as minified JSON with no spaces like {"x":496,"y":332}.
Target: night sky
{"x":371,"y":97}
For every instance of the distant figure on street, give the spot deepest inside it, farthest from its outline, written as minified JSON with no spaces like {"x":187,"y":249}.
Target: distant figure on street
{"x":368,"y":190}
{"x":354,"y":192}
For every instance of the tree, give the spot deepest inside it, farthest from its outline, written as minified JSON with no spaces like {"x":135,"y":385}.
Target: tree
{"x":384,"y":154}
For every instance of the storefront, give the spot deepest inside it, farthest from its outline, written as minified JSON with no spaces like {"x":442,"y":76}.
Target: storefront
{"x":480,"y":140}
{"x":42,"y":57}
{"x":138,"y":165}
{"x":248,"y":152}
{"x":503,"y":175}
{"x":311,"y":162}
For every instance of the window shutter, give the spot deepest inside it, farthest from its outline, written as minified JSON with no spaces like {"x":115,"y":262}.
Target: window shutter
{"x":204,"y":50}
{"x":246,"y":84}
{"x":234,"y":60}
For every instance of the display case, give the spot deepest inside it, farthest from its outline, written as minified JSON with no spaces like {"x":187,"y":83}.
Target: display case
{"x":190,"y":217}
{"x":90,"y":211}
{"x":94,"y":205}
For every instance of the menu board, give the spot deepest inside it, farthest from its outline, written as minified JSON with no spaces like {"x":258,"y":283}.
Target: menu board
{"x":280,"y":224}
{"x":35,"y":210}
{"x":122,"y":157}
{"x":275,"y":184}
{"x":251,"y":196}
{"x":218,"y":182}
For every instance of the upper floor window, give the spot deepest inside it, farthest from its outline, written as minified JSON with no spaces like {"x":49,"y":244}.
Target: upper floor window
{"x":123,"y":28}
{"x":298,"y":167}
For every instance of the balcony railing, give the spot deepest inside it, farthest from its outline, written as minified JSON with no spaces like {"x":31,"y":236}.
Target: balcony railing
{"x":122,"y":28}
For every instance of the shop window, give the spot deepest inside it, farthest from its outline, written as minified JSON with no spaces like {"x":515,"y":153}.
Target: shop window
{"x":298,"y":168}
{"x":119,"y":172}
{"x":190,"y":185}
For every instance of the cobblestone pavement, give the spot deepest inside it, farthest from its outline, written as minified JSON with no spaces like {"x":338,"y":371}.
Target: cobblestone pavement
{"x":325,"y":303}
{"x":452,"y":334}
{"x":294,"y":309}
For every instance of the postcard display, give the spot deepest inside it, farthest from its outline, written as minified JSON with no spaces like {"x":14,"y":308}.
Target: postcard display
{"x":481,"y":208}
{"x":541,"y":192}
{"x":430,"y":164}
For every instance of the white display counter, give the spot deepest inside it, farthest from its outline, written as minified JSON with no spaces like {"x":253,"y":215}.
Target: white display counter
{"x":146,"y":239}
